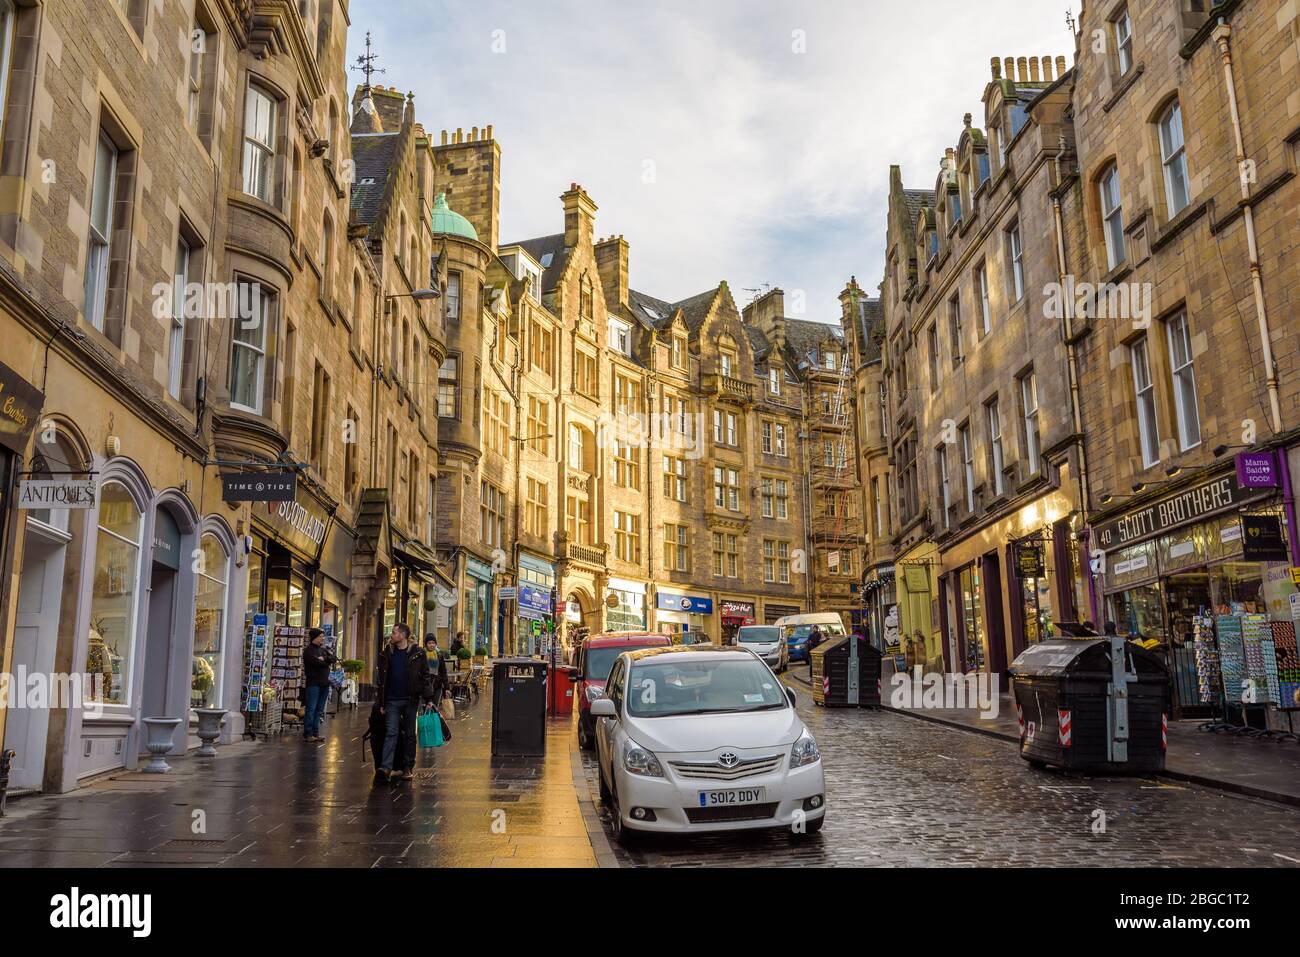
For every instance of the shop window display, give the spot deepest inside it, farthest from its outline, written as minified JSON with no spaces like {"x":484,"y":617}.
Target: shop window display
{"x":113,"y":599}
{"x":209,"y":624}
{"x":973,"y":617}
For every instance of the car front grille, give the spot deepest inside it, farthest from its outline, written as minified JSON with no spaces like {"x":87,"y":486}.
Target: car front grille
{"x":713,"y":771}
{"x":737,"y":812}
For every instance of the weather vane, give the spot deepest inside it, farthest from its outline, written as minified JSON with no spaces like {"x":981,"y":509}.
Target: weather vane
{"x":366,"y":63}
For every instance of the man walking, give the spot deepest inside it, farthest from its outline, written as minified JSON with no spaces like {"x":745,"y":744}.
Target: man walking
{"x":317,"y":660}
{"x":403,"y":681}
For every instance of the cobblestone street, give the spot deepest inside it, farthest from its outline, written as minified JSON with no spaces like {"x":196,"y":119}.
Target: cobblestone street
{"x":904,"y":792}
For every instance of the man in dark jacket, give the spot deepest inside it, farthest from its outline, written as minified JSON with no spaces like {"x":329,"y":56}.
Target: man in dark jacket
{"x":403,"y":681}
{"x":317,"y":660}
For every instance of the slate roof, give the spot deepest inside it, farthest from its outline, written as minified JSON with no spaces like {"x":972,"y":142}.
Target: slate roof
{"x":917,"y":200}
{"x":375,"y":155}
{"x":803,"y":336}
{"x":871,"y":320}
{"x":758,"y":341}
{"x":694,"y":308}
{"x":551,"y":253}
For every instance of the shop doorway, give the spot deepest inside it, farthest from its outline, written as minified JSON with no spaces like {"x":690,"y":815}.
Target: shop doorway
{"x":997,"y":632}
{"x":36,"y":636}
{"x":158,"y":643}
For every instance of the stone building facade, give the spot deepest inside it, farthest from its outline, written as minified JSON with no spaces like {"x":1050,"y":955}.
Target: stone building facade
{"x":987,"y":452}
{"x":1182,"y":210}
{"x":191,"y":290}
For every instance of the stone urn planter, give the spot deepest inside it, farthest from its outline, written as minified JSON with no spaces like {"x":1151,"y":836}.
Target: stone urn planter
{"x":210,"y":720}
{"x":158,"y":741}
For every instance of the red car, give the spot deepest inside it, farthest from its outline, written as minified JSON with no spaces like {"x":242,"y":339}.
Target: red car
{"x":595,"y":659}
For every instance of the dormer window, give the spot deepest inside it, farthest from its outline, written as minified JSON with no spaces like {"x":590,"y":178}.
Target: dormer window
{"x":774,"y":381}
{"x":679,"y":352}
{"x":828,"y":360}
{"x":954,"y":207}
{"x":982,"y":162}
{"x":620,"y":336}
{"x":728,"y":364}
{"x":933,"y":243}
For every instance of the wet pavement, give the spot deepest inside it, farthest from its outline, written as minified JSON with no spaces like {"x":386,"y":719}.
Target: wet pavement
{"x":903,"y":792}
{"x":900,"y":792}
{"x":286,"y":803}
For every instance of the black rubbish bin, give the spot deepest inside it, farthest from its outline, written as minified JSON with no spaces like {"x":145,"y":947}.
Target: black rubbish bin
{"x":831,"y":663}
{"x":1066,"y":710}
{"x":519,"y":706}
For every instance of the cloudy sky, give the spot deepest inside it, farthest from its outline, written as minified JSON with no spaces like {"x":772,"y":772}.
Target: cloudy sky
{"x":746,"y":140}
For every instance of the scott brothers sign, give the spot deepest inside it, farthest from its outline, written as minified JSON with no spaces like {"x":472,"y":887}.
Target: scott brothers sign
{"x":1197,"y":502}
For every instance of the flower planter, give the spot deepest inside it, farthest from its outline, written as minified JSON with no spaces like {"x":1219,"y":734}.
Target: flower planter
{"x":209,"y":729}
{"x":158,"y":741}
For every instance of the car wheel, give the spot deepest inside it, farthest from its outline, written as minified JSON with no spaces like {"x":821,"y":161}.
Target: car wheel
{"x":604,"y":788}
{"x":624,"y":836}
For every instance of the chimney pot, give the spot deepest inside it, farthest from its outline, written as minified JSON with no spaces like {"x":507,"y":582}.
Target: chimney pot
{"x":1033,"y":69}
{"x":1047,"y":69}
{"x":995,"y":68}
{"x":1022,"y":69}
{"x":1008,"y":68}
{"x":1060,"y":66}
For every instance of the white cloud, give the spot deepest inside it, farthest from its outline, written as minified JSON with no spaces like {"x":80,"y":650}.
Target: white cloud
{"x":771,"y":166}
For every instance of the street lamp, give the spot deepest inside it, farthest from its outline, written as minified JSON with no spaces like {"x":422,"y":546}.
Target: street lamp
{"x":419,"y":295}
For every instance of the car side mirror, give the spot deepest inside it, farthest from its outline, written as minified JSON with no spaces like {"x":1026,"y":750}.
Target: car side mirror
{"x":603,"y":708}
{"x":789,"y":693}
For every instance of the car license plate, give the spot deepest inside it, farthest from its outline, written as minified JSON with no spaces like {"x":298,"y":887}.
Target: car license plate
{"x":733,"y":796}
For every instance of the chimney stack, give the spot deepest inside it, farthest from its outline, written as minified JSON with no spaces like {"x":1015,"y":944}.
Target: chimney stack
{"x":995,"y":68}
{"x":1060,"y":66}
{"x":611,"y":261}
{"x":1047,"y":69}
{"x":1033,"y":69}
{"x":579,"y":216}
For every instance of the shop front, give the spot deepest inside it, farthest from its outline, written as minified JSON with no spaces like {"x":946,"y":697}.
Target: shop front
{"x":878,"y":597}
{"x":678,"y":614}
{"x":1203,"y":575}
{"x":735,"y":613}
{"x":535,"y":621}
{"x":479,"y":604}
{"x":625,"y":605}
{"x":918,"y":605}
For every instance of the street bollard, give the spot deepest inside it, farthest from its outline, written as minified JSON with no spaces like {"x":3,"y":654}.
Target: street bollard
{"x":6,"y":762}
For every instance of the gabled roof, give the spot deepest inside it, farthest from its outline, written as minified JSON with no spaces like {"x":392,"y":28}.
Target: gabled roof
{"x":659,"y":313}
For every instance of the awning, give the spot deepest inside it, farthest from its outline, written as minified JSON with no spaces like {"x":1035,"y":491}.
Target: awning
{"x":421,"y":558}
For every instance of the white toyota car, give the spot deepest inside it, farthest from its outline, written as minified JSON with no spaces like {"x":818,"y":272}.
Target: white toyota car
{"x":701,"y":738}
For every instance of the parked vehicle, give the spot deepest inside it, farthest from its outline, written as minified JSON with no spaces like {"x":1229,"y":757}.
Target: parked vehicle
{"x":795,"y":629}
{"x":766,"y":642}
{"x":703,"y":738}
{"x":595,"y":657}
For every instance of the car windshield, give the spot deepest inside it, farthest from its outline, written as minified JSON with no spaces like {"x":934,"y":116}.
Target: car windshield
{"x":762,"y":634}
{"x":601,"y":660}
{"x":800,"y":632}
{"x":739,"y":683}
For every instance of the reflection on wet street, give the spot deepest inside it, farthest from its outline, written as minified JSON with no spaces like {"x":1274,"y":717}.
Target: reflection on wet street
{"x":288,"y":803}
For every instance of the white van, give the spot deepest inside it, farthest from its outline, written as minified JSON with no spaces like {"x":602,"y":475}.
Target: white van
{"x":795,"y":630}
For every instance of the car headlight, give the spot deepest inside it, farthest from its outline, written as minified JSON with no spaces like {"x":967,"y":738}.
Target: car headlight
{"x":593,"y":692}
{"x":804,"y":752}
{"x":637,"y":760}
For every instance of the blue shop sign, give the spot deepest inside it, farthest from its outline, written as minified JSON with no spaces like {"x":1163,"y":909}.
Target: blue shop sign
{"x":477,"y":569}
{"x":534,"y":602}
{"x":691,"y":604}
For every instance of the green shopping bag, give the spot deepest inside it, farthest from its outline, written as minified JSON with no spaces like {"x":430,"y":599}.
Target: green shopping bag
{"x":429,"y":727}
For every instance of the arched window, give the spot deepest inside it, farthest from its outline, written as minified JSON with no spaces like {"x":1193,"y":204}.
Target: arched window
{"x":210,"y":596}
{"x":115,"y":594}
{"x":1173,"y":158}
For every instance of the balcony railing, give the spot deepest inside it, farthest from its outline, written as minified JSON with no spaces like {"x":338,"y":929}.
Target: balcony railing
{"x":595,"y":556}
{"x":728,"y":387}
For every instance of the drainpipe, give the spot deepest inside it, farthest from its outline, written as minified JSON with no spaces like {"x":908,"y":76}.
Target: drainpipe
{"x":1072,"y":358}
{"x":1288,"y":504}
{"x":1222,"y":34}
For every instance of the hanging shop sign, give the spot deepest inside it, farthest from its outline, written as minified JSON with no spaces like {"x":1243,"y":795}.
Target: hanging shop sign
{"x":20,"y":407}
{"x":1262,"y":539}
{"x":56,"y":493}
{"x":1198,"y":502}
{"x":258,"y":487}
{"x":477,"y":569}
{"x":1030,"y":561}
{"x":506,"y":592}
{"x":534,"y":602}
{"x":691,"y":604}
{"x":1258,"y":470}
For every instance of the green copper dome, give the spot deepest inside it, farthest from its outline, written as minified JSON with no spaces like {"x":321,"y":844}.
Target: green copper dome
{"x":446,"y":220}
